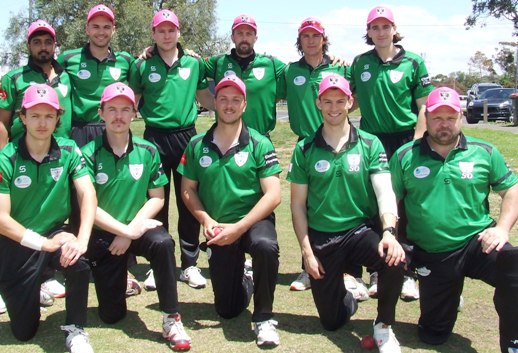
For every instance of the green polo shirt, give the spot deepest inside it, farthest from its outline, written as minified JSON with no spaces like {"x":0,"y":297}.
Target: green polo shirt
{"x":122,"y":183}
{"x":260,"y":76}
{"x":15,"y":83}
{"x":299,"y":84}
{"x":446,"y":200}
{"x":168,"y":92}
{"x":40,"y":192}
{"x":386,"y":92}
{"x":340,"y":192}
{"x":229,"y":185}
{"x":89,"y":78}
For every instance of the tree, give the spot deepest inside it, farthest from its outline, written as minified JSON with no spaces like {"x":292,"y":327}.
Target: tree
{"x":133,"y":25}
{"x":505,"y":59}
{"x":496,"y":8}
{"x":482,"y":65}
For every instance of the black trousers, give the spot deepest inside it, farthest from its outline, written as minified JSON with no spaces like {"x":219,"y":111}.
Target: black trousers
{"x":83,"y":133}
{"x":109,"y":271}
{"x":441,"y":277}
{"x":338,"y":251}
{"x":233,"y":290}
{"x":171,"y":145}
{"x":20,"y":281}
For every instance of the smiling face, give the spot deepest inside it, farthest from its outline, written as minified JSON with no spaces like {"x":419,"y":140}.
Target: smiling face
{"x":334,"y":105}
{"x":230,"y":105}
{"x":100,"y":30}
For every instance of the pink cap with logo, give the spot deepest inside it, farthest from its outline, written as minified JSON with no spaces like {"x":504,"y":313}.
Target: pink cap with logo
{"x":165,"y":16}
{"x":443,"y":97}
{"x":233,"y":81}
{"x":334,"y":81}
{"x":41,"y":26}
{"x":380,"y":12}
{"x":311,"y":23}
{"x":101,"y":10}
{"x":40,"y":94}
{"x":118,"y":89}
{"x":244,"y":19}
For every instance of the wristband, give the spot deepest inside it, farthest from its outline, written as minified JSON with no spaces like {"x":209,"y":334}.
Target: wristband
{"x":32,"y":240}
{"x":391,"y":230}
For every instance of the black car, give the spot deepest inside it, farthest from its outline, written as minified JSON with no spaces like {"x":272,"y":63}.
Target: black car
{"x":499,"y":106}
{"x":478,"y":88}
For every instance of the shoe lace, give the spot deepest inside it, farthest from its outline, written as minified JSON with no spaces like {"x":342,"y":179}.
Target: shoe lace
{"x":268,"y":325}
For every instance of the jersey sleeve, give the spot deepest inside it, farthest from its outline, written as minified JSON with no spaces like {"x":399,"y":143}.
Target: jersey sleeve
{"x":266,"y":157}
{"x":77,"y":163}
{"x":134,"y":77}
{"x":501,"y":176}
{"x":282,"y":90}
{"x":423,"y":85}
{"x":297,"y":171}
{"x":157,"y":176}
{"x":87,"y":151}
{"x":396,"y":173}
{"x":202,"y":78}
{"x":7,"y":93}
{"x":210,"y":66}
{"x":186,"y":166}
{"x":378,"y":162}
{"x":6,"y":174}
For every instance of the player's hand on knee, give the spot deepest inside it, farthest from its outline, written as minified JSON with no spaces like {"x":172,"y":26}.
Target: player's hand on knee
{"x":140,"y":227}
{"x":71,"y":251}
{"x":119,"y":246}
{"x":314,"y":267}
{"x":390,"y":248}
{"x":493,"y":238}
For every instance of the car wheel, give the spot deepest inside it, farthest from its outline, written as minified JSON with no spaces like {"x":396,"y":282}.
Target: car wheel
{"x":470,"y":120}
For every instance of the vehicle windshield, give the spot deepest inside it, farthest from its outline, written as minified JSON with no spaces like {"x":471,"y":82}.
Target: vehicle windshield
{"x":497,"y":93}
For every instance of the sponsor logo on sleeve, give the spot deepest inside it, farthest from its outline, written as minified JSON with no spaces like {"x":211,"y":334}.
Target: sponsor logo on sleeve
{"x":382,"y":157}
{"x":1,"y":177}
{"x":183,"y":160}
{"x":270,"y":158}
{"x":426,"y":81}
{"x":3,"y":94}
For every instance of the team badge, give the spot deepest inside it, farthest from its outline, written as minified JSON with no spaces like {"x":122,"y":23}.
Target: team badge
{"x":395,"y":76}
{"x":467,"y":169}
{"x":22,"y":182}
{"x":354,"y":162}
{"x":229,"y":72}
{"x":322,"y":166}
{"x":63,"y":89}
{"x":365,"y":76}
{"x":258,"y":72}
{"x":154,"y":77}
{"x":84,"y":74}
{"x":299,"y":80}
{"x":444,"y":95}
{"x":136,"y":170}
{"x":115,"y":72}
{"x":56,"y":173}
{"x":421,"y":172}
{"x":205,"y":161}
{"x":184,"y":72}
{"x":101,"y":178}
{"x":241,"y":158}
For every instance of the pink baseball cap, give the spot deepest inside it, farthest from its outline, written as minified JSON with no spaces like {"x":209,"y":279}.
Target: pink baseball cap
{"x":443,"y":96}
{"x":335,"y":81}
{"x":311,"y":23}
{"x":40,"y":94}
{"x":380,"y":12}
{"x":118,"y":89}
{"x":40,"y":26}
{"x":101,"y":10}
{"x":244,"y":19}
{"x":234,"y":81}
{"x":165,"y":16}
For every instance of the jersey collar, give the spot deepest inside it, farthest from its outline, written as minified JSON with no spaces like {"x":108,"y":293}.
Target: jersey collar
{"x":425,"y":148}
{"x":243,"y":140}
{"x":321,"y":142}
{"x":107,"y":146}
{"x":325,"y":61}
{"x":180,"y":53}
{"x":88,"y":53}
{"x":396,"y":59}
{"x":243,"y":62}
{"x":53,"y":155}
{"x":58,"y":68}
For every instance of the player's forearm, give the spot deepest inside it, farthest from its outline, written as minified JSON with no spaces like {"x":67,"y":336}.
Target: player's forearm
{"x":508,"y":209}
{"x":193,"y":203}
{"x":420,"y":126}
{"x":88,"y":206}
{"x":150,"y":209}
{"x":10,"y":228}
{"x":300,"y":226}
{"x":108,"y":223}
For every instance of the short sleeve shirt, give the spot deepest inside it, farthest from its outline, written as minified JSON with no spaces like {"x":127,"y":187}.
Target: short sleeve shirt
{"x":340,"y":192}
{"x":40,"y":192}
{"x":122,"y":183}
{"x":387,"y":91}
{"x":229,"y":185}
{"x":446,"y":200}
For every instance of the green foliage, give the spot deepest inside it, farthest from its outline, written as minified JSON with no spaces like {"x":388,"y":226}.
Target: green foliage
{"x":494,"y":8}
{"x":133,"y":25}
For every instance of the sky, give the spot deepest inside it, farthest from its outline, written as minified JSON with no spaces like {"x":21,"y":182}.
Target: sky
{"x":432,"y":29}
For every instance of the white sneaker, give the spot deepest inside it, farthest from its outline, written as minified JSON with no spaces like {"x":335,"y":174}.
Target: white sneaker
{"x":461,"y":304}
{"x":174,"y":332}
{"x":385,"y":339}
{"x":409,"y":292}
{"x":3,"y":308}
{"x":357,"y":287}
{"x":373,"y":285}
{"x":301,"y":283}
{"x":76,"y":340}
{"x":249,"y":271}
{"x":192,"y":276}
{"x":54,"y":287}
{"x":149,"y":283}
{"x":46,"y":299}
{"x":132,"y":287}
{"x":266,"y":333}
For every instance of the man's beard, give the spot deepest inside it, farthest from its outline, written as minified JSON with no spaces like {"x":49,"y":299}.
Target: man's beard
{"x":245,"y":51}
{"x":43,"y":58}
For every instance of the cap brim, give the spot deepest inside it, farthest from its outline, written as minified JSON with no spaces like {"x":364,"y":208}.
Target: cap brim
{"x":319,"y":30}
{"x":32,"y":104}
{"x":442,"y":104}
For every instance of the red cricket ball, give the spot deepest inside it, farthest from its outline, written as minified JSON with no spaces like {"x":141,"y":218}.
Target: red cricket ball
{"x":368,"y":343}
{"x":217,"y":230}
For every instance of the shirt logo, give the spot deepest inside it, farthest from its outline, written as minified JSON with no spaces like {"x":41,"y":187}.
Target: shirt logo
{"x":395,"y":76}
{"x":101,"y":178}
{"x":154,"y":77}
{"x":426,"y":81}
{"x":365,"y":76}
{"x":56,"y":173}
{"x":241,"y":158}
{"x":205,"y":161}
{"x":115,"y":72}
{"x":136,"y":170}
{"x":354,"y":162}
{"x":22,"y":182}
{"x":258,"y":72}
{"x":322,"y":166}
{"x":184,"y":72}
{"x":84,"y":74}
{"x":299,"y":80}
{"x":63,"y":89}
{"x":421,"y":172}
{"x":423,"y":271}
{"x":229,"y":72}
{"x":467,"y":169}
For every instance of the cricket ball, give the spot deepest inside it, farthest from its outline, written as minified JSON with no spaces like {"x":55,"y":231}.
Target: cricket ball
{"x":217,"y":230}
{"x":368,"y":343}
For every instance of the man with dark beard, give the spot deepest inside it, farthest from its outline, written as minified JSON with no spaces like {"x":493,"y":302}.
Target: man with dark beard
{"x":41,"y":68}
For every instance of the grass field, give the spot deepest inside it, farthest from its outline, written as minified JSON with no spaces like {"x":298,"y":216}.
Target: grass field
{"x":476,"y":329}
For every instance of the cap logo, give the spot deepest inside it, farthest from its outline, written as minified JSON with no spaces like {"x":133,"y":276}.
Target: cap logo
{"x":42,"y":92}
{"x":312,"y":23}
{"x":380,"y":11}
{"x":101,"y":8}
{"x":444,"y":95}
{"x":333,"y":81}
{"x":166,"y":15}
{"x":121,"y":89}
{"x":245,"y":19}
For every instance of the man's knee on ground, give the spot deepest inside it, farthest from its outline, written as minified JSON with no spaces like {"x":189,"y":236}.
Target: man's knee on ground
{"x":112,"y":317}
{"x":265,"y":248}
{"x":25,"y":334}
{"x":432,"y":337}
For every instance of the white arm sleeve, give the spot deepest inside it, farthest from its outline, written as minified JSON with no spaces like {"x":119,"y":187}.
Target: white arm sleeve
{"x":382,"y":184}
